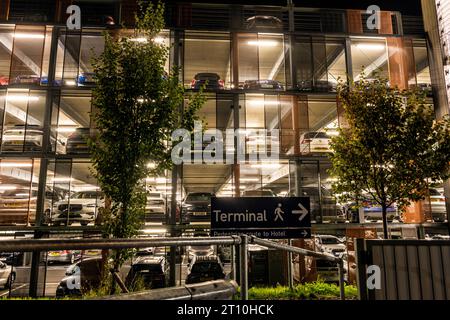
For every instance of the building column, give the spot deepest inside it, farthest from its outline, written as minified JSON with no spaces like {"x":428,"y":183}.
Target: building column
{"x":437,"y":72}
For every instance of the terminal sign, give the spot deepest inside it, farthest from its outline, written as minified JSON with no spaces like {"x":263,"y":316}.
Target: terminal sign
{"x":265,"y":217}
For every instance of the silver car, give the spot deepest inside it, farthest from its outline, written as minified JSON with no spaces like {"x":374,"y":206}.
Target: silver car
{"x":7,"y":275}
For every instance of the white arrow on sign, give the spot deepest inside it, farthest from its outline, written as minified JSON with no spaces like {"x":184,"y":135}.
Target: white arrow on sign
{"x":304,"y":233}
{"x":303,"y":212}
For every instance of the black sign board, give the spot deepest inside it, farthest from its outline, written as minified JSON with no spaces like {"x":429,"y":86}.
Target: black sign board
{"x":264,"y":217}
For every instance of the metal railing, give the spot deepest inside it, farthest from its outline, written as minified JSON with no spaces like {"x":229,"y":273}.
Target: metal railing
{"x":38,"y":245}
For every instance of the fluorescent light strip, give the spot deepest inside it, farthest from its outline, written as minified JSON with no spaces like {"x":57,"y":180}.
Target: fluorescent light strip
{"x":263,"y":43}
{"x":28,"y":36}
{"x":20,"y":98}
{"x":15,"y":165}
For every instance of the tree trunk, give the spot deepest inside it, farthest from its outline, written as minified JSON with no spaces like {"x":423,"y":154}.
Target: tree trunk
{"x":385,"y":222}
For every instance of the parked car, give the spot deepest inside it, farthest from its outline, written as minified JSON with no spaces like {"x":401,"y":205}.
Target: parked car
{"x":86,"y":79}
{"x":317,"y":86}
{"x":438,"y":208}
{"x":144,"y":252}
{"x":258,"y":193}
{"x":7,"y":275}
{"x":4,"y":81}
{"x":28,"y":137}
{"x":205,"y":268}
{"x":155,"y":208}
{"x":315,"y":142}
{"x":77,"y":141}
{"x":263,"y":22}
{"x":262,"y":84}
{"x":27,"y":79}
{"x":63,"y":256}
{"x":18,"y":206}
{"x":212,"y":81}
{"x":12,"y":258}
{"x":372,"y":211}
{"x":329,"y":244}
{"x":150,"y":272}
{"x":81,"y":207}
{"x":426,"y":88}
{"x":80,"y":277}
{"x":196,"y":207}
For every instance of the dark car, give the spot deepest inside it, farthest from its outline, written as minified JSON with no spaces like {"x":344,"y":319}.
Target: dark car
{"x":81,"y":277}
{"x":12,"y":258}
{"x":262,"y":84}
{"x":263,"y":22}
{"x":197,"y":207}
{"x":148,"y":272}
{"x":77,"y":141}
{"x":212,"y":81}
{"x":317,"y":86}
{"x":205,"y":268}
{"x":86,"y":79}
{"x":27,"y":79}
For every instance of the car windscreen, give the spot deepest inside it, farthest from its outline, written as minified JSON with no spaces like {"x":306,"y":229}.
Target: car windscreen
{"x":434,"y":192}
{"x":86,"y":195}
{"x":198,"y":197}
{"x":317,"y":135}
{"x":330,"y":241}
{"x":325,"y":264}
{"x":207,"y":76}
{"x":202,"y":267}
{"x":147,"y":268}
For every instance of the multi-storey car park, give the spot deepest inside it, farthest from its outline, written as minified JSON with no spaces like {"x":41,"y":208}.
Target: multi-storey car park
{"x":268,"y":67}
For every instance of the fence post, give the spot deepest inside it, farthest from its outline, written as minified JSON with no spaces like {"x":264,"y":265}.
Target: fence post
{"x":290,"y":267}
{"x":341,"y":279}
{"x":243,"y":267}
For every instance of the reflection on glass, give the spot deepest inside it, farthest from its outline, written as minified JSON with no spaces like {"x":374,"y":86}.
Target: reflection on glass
{"x":370,"y":55}
{"x":261,"y":61}
{"x":18,"y":190}
{"x":27,"y":55}
{"x":207,"y":60}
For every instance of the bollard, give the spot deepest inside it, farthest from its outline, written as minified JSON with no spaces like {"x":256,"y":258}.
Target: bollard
{"x":243,"y":267}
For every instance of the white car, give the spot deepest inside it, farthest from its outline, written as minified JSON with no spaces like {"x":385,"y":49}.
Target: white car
{"x":315,"y":142}
{"x":155,"y":207}
{"x":7,"y":275}
{"x":438,"y":209}
{"x":329,"y":244}
{"x":81,"y":207}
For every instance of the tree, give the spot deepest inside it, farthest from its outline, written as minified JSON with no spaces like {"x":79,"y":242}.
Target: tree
{"x":137,"y":106}
{"x":391,"y":148}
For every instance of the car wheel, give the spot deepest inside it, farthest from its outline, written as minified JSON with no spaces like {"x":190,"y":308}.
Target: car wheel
{"x":84,"y":224}
{"x":10,"y":281}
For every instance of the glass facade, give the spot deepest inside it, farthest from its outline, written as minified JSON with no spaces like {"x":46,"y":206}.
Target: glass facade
{"x":274,"y":86}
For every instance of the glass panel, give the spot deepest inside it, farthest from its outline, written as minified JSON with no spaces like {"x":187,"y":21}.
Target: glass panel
{"x":27,"y":55}
{"x":23,"y":121}
{"x":336,"y":65}
{"x":73,"y":126}
{"x":422,"y":67}
{"x":6,"y":44}
{"x":304,"y":63}
{"x":309,"y":188}
{"x":207,"y":58}
{"x":261,"y":61}
{"x":18,"y":190}
{"x":370,"y":54}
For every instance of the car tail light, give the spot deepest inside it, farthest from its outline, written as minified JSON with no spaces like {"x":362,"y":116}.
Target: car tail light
{"x":193,"y":83}
{"x":306,"y":141}
{"x":221,"y":83}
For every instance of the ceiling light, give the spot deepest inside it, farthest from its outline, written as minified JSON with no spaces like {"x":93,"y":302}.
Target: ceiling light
{"x":151,"y":165}
{"x":28,"y":36}
{"x":66,"y":129}
{"x":370,"y":46}
{"x":159,"y":40}
{"x":266,"y":165}
{"x":7,"y":187}
{"x":20,"y":98}
{"x":22,"y":194}
{"x":62,"y":179}
{"x":249,"y":179}
{"x":70,"y":83}
{"x":263,"y":43}
{"x":15,"y":165}
{"x":261,"y":103}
